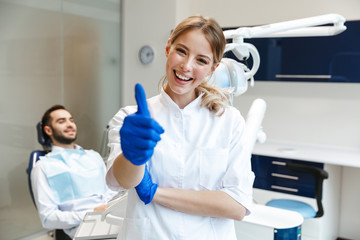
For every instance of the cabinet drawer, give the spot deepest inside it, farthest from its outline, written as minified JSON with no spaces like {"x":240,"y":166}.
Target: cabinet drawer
{"x":272,"y":174}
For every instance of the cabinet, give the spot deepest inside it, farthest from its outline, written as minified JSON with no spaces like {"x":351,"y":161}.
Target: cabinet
{"x":272,"y":174}
{"x":319,"y":59}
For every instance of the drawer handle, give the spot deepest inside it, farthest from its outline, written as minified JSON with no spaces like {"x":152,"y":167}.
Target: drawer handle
{"x":284,"y":176}
{"x":278,"y":163}
{"x":284,"y":188}
{"x":302,"y":76}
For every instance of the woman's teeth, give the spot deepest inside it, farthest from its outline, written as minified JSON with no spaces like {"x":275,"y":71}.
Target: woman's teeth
{"x":182,"y":77}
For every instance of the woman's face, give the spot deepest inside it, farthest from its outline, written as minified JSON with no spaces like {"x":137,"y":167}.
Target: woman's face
{"x":189,"y":61}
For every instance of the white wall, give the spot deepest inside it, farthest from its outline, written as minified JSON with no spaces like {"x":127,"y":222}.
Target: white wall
{"x":144,"y":23}
{"x":232,"y":13}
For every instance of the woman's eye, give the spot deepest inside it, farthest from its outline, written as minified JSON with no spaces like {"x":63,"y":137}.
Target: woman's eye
{"x":202,"y":61}
{"x":182,"y":51}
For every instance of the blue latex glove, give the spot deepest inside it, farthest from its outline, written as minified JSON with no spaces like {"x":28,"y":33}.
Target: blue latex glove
{"x":139,"y":133}
{"x":146,"y":189}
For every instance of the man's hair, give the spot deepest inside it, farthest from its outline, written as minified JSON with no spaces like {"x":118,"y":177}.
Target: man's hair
{"x":45,"y":120}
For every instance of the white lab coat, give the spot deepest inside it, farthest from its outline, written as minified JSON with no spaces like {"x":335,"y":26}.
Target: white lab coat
{"x":198,"y":151}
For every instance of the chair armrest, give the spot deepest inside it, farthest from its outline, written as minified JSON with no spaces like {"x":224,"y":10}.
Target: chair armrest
{"x":118,"y":203}
{"x":320,"y":175}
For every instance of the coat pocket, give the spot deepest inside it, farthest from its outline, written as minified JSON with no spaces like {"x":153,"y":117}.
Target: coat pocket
{"x":213,"y":165}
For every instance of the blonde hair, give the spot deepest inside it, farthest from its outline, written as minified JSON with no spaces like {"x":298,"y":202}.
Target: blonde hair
{"x":214,"y":98}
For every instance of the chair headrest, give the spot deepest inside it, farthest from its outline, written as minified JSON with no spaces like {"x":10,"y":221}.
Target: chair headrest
{"x":44,"y":141}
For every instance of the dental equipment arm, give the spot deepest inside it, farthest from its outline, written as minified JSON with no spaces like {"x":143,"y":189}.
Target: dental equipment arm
{"x":312,"y":26}
{"x":254,"y":118}
{"x":304,"y":27}
{"x":235,"y":75}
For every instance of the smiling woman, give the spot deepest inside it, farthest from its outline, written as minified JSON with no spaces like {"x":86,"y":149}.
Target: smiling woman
{"x":181,"y":153}
{"x":190,"y":61}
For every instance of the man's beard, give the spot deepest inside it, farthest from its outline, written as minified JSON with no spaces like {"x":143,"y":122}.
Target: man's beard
{"x":61,"y":138}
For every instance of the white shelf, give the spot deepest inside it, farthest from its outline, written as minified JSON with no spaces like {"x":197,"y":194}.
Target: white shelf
{"x":310,"y":152}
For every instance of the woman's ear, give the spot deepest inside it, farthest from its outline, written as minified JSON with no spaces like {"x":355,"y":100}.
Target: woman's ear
{"x":167,"y":48}
{"x":213,"y":68}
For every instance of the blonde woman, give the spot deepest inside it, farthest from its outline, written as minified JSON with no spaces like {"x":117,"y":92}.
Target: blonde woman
{"x":181,"y":153}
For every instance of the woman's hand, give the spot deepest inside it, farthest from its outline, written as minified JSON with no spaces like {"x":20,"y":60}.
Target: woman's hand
{"x":140,"y":133}
{"x":146,"y":189}
{"x":203,"y":203}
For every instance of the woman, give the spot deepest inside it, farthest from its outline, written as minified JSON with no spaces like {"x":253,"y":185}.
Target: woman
{"x":183,"y":150}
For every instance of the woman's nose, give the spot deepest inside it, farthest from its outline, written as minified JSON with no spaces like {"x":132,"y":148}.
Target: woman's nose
{"x":186,"y":64}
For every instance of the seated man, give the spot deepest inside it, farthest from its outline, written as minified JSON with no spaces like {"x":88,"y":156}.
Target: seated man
{"x":69,"y":181}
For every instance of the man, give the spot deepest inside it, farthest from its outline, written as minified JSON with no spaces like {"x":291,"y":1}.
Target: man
{"x":69,"y":181}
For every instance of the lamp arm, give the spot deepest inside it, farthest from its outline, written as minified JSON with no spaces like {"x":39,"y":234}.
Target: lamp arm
{"x":295,"y":28}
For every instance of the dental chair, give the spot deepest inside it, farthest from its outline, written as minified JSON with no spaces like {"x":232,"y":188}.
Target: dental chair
{"x":35,"y":155}
{"x":293,"y":177}
{"x":291,"y":185}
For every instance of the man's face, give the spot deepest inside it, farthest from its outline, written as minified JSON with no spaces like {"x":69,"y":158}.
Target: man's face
{"x":62,"y":127}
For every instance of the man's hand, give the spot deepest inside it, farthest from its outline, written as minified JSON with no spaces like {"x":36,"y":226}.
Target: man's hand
{"x":100,"y":208}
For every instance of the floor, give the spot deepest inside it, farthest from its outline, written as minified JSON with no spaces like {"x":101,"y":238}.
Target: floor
{"x":17,"y":221}
{"x":40,"y":236}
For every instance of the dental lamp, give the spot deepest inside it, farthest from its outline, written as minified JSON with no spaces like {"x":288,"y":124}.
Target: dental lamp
{"x":235,"y":75}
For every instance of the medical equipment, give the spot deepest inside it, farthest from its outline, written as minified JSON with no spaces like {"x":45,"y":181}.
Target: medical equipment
{"x":105,"y":224}
{"x":293,"y":177}
{"x":238,"y":74}
{"x":269,"y":223}
{"x":35,"y":156}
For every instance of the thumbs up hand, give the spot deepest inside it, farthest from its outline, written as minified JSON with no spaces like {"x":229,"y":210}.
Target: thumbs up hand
{"x":140,"y":133}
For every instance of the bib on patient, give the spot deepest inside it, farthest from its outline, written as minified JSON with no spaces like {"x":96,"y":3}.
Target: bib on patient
{"x":74,"y":174}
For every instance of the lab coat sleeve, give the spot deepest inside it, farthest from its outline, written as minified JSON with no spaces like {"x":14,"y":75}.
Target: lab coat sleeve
{"x":50,"y":215}
{"x":239,"y":178}
{"x":110,"y":194}
{"x":114,"y":144}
